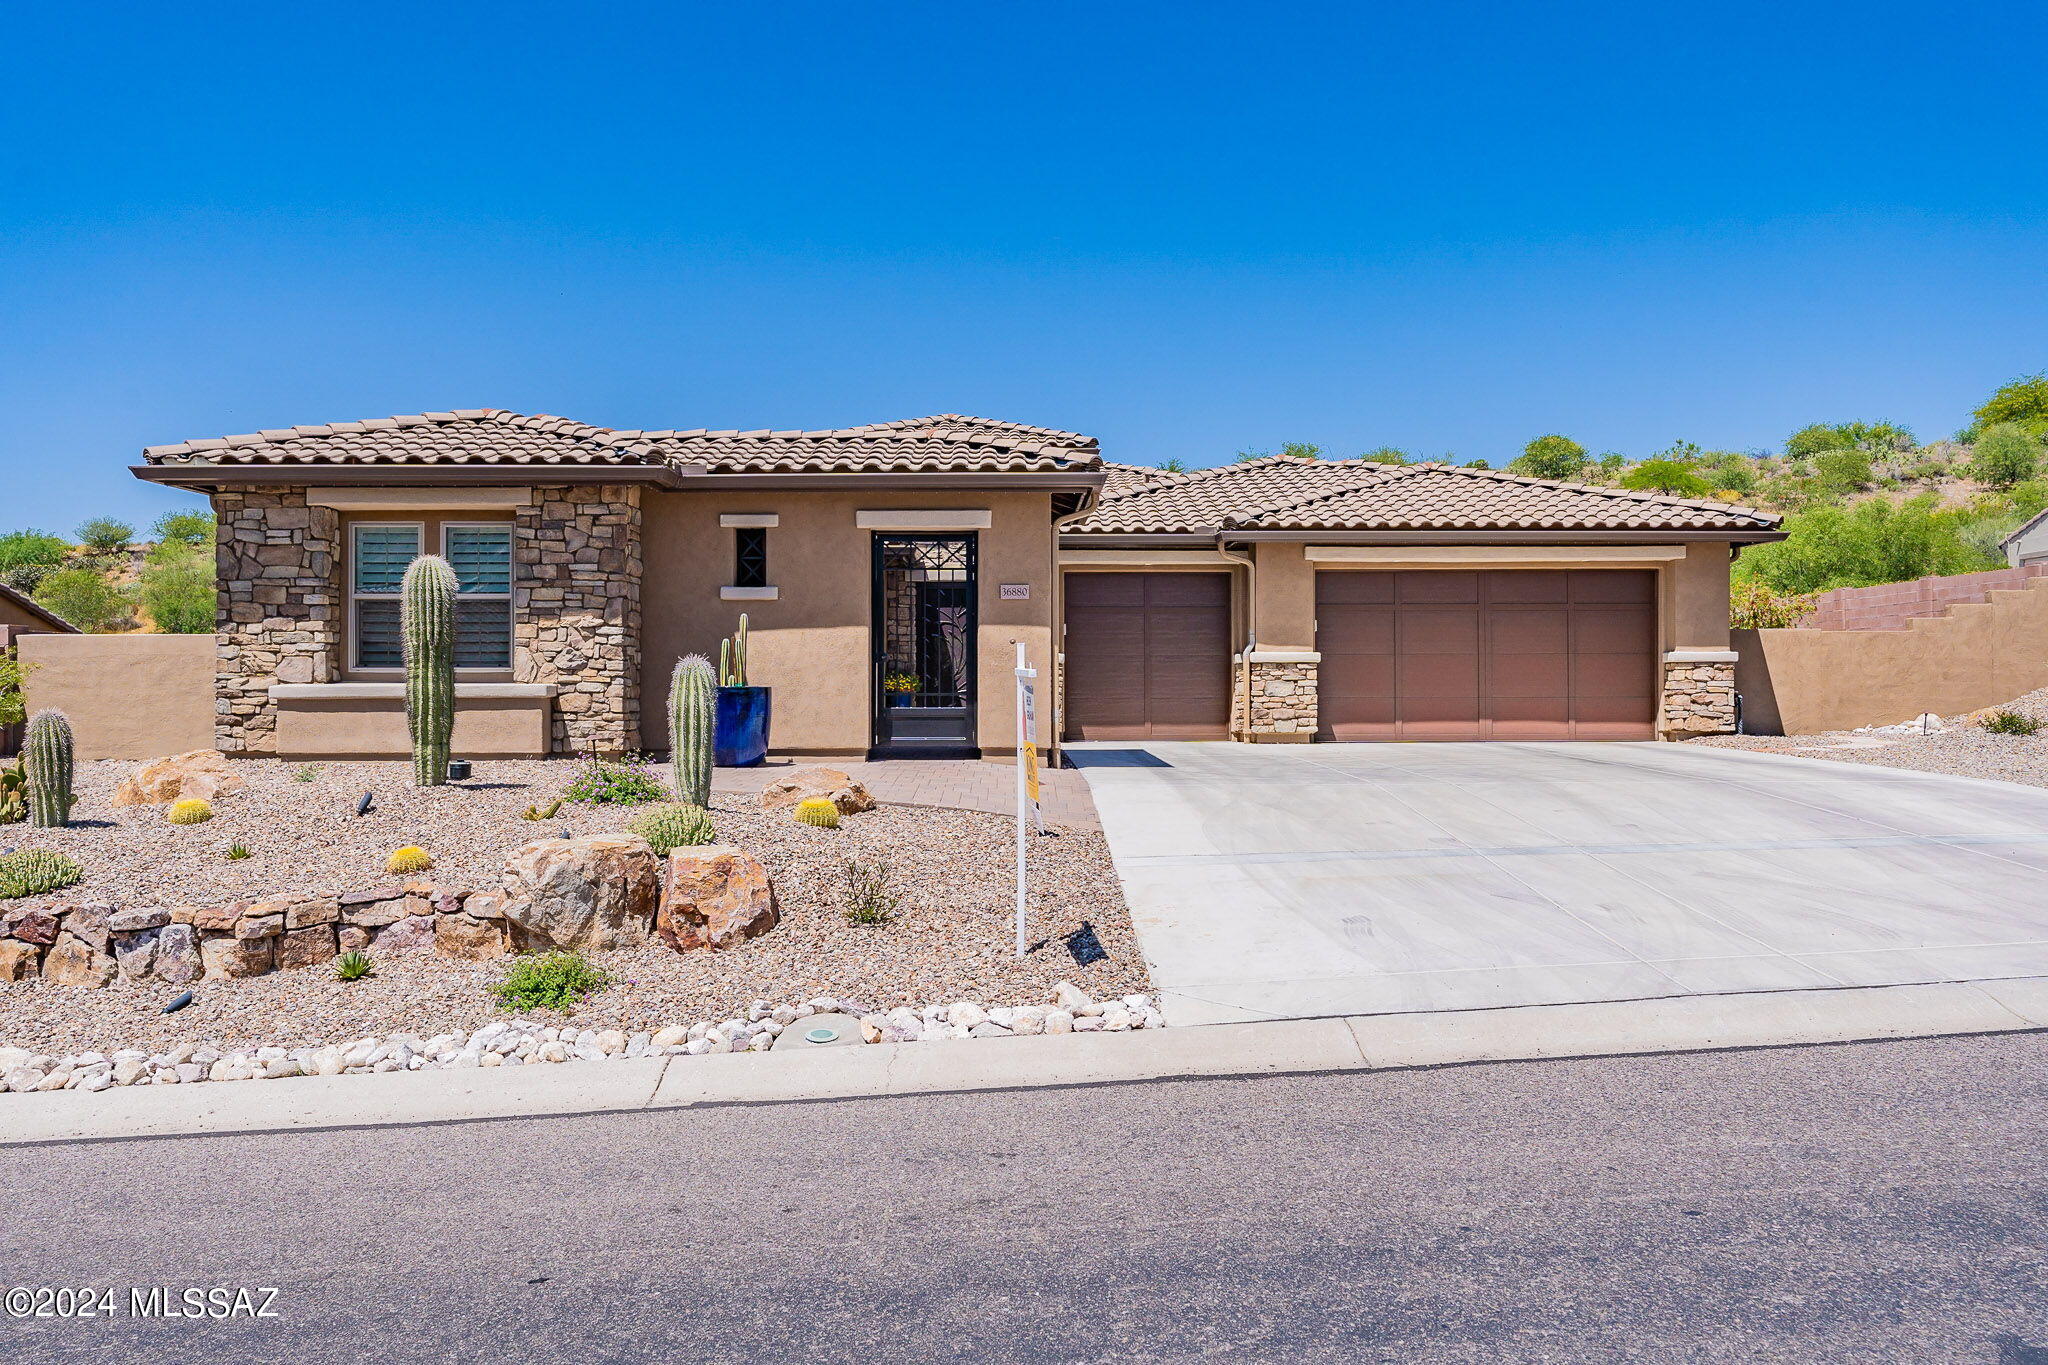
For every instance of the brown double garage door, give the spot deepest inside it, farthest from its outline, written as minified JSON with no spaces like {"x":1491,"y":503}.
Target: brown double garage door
{"x":1505,"y":654}
{"x":1409,"y":654}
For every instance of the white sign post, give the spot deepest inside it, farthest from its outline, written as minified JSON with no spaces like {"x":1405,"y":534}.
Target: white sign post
{"x":1027,"y":776}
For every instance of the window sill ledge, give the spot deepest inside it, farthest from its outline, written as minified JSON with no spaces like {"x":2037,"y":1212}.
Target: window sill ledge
{"x":749,"y":594}
{"x":362,"y":691}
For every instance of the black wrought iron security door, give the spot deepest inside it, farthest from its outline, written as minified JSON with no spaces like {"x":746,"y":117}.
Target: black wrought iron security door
{"x":924,"y":629}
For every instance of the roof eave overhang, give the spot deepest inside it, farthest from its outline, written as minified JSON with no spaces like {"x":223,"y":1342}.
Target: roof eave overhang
{"x":1505,"y":536}
{"x":218,"y":476}
{"x":1135,"y":540}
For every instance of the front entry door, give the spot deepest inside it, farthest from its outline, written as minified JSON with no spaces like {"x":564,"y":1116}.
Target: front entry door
{"x":925,"y":615}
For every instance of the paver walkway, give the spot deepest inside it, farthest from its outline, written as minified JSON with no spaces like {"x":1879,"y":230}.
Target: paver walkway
{"x":1295,"y":881}
{"x":964,"y":784}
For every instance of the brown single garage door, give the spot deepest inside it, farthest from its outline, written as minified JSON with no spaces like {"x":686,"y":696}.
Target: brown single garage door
{"x":1499,"y":654}
{"x":1148,"y":656}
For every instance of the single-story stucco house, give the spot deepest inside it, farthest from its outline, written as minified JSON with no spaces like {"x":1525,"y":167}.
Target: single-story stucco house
{"x":889,"y":570}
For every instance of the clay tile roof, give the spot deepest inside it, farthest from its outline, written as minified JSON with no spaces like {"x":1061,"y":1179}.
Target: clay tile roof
{"x":1282,"y":493}
{"x":953,"y":421}
{"x":945,"y":444}
{"x":865,"y":450}
{"x":1129,"y":478}
{"x":469,"y":436}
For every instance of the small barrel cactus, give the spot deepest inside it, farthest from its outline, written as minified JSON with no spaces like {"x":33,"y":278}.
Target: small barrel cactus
{"x":33,"y":871}
{"x":427,"y":622}
{"x":190,"y":811}
{"x":673,"y":825}
{"x":411,"y":858}
{"x":692,"y":691}
{"x":819,"y":811}
{"x":46,"y":758}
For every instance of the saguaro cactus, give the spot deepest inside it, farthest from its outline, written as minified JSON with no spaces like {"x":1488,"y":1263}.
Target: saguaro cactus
{"x":691,"y":690}
{"x":427,"y":620}
{"x":46,"y":755}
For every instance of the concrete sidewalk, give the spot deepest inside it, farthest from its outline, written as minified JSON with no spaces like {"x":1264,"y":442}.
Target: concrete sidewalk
{"x":1374,"y":1042}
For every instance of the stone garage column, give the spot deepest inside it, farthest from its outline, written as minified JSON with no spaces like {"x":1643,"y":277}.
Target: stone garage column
{"x":576,"y":611}
{"x":1699,"y":693}
{"x":279,"y":614}
{"x":1275,"y":695}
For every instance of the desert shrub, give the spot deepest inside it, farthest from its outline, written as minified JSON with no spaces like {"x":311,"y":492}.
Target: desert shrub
{"x":1872,"y":542}
{"x":32,"y":550}
{"x":1550,"y":457}
{"x":1842,"y":471}
{"x":353,"y":965}
{"x":1172,"y":464}
{"x":183,"y":528}
{"x":1385,"y":455}
{"x":1733,"y":471}
{"x":1869,"y":436}
{"x":1753,"y":606}
{"x":1667,"y":476}
{"x":551,"y":981}
{"x":2022,"y":402}
{"x":411,"y":858}
{"x":85,"y":597}
{"x":2010,"y":723}
{"x":33,"y":871}
{"x":673,"y":825}
{"x":13,"y":711}
{"x":1478,"y":464}
{"x":868,"y":896}
{"x":105,"y":534}
{"x":2005,"y":455}
{"x":605,"y":783}
{"x":176,"y":588}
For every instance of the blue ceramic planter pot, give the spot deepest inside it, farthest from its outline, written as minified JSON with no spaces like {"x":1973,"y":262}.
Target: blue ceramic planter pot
{"x":739,"y":735}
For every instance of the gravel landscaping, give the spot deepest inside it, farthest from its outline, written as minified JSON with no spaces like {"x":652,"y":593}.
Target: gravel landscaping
{"x":950,"y":941}
{"x":1961,"y":748}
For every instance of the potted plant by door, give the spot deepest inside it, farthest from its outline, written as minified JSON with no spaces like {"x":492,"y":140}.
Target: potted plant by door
{"x":899,"y":688}
{"x":739,"y":734}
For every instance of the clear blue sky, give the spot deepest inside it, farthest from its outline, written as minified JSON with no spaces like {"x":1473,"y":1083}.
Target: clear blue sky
{"x":1187,"y":228}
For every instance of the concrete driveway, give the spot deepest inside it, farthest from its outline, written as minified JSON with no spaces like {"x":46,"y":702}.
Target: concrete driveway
{"x":1284,"y":881}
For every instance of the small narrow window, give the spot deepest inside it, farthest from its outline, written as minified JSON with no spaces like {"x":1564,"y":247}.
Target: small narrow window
{"x":750,"y":557}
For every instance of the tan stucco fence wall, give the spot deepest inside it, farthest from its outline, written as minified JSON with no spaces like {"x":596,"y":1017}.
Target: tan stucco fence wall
{"x":127,"y":696}
{"x":1800,"y":682}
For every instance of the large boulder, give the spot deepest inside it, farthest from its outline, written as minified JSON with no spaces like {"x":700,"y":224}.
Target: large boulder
{"x":595,"y":892}
{"x":72,"y":961}
{"x":803,"y":784}
{"x":19,"y":960}
{"x":200,"y":775}
{"x":717,"y":897}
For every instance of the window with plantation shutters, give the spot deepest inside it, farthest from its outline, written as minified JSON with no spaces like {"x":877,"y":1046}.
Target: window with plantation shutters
{"x":482,"y":556}
{"x":378,"y":555}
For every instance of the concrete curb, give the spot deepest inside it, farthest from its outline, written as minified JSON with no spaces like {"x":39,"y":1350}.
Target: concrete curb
{"x":1361,"y":1043}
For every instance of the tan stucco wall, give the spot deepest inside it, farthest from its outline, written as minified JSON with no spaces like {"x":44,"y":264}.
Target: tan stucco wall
{"x":1695,"y":592}
{"x":1800,"y":682}
{"x":1284,"y":596}
{"x":127,"y":696}
{"x":485,"y":727}
{"x":811,"y":644}
{"x":17,"y":618}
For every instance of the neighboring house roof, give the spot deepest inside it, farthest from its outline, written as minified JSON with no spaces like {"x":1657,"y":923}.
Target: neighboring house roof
{"x":29,"y":607}
{"x":2022,"y":529}
{"x":493,"y":436}
{"x":1287,"y":493}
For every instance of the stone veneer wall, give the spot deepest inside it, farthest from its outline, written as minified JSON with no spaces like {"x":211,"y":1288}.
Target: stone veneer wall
{"x":279,"y":619}
{"x":576,"y":611}
{"x":1699,"y":699}
{"x":1276,"y":699}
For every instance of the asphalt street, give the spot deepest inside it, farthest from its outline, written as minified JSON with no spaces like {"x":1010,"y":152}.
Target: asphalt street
{"x":1881,"y":1202}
